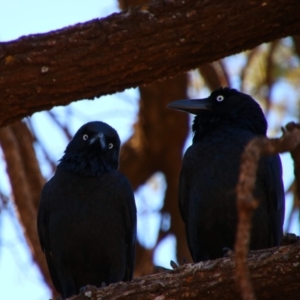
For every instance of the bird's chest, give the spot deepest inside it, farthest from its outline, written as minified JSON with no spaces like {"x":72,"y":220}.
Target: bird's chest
{"x":84,"y":209}
{"x":214,"y":160}
{"x":211,"y":170}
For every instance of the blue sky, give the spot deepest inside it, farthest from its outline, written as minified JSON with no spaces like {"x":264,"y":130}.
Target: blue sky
{"x":19,"y":276}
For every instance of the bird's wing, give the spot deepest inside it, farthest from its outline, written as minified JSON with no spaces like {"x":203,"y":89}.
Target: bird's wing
{"x":276,"y":197}
{"x":185,"y":198}
{"x":183,"y":195}
{"x":129,"y":215}
{"x":42,"y":226}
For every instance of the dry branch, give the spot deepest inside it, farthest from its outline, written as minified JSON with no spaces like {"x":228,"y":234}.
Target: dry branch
{"x":34,"y":177}
{"x":214,"y":280}
{"x":23,"y":199}
{"x":290,"y":141}
{"x":132,"y":48}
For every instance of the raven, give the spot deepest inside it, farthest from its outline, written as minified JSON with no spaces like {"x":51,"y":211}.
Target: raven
{"x":87,"y":215}
{"x":224,"y":123}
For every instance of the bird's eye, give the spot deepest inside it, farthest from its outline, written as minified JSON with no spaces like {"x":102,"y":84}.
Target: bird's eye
{"x":85,"y":137}
{"x":110,"y":145}
{"x":220,"y":98}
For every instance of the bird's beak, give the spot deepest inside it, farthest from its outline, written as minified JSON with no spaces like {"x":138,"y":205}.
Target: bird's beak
{"x":191,"y":106}
{"x":101,"y":138}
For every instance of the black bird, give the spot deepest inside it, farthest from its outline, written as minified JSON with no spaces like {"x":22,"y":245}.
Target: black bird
{"x":224,"y":123}
{"x":87,"y":214}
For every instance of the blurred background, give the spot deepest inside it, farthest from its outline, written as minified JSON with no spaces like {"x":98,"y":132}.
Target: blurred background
{"x":153,"y":140}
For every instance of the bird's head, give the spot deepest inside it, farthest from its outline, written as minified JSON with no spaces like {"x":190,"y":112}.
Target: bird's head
{"x":225,"y":106}
{"x":93,"y":150}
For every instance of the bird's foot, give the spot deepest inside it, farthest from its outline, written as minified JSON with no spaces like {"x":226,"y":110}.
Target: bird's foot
{"x":227,"y":252}
{"x":174,"y":265}
{"x":289,"y":238}
{"x":88,"y":290}
{"x":159,"y":269}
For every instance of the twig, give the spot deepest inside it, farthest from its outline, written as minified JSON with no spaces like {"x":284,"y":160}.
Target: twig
{"x":256,"y":148}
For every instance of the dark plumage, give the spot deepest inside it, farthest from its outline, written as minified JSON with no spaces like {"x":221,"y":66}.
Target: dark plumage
{"x":225,"y":122}
{"x":87,"y":215}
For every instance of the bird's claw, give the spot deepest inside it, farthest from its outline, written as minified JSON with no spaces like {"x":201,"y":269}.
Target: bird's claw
{"x":174,"y":265}
{"x":227,"y":252}
{"x":87,"y":288}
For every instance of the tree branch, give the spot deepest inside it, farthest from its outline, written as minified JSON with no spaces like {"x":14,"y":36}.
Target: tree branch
{"x":214,"y":280}
{"x":34,"y":177}
{"x":23,"y":198}
{"x":246,"y":203}
{"x":101,"y":56}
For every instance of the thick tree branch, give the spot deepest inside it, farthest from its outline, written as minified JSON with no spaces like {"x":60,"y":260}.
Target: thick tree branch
{"x":101,"y":56}
{"x":214,"y":280}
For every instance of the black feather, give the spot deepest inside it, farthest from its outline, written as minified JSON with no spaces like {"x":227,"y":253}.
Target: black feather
{"x":209,"y":175}
{"x":87,"y":214}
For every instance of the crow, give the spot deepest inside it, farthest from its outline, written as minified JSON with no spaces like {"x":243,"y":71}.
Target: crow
{"x":87,"y":215}
{"x":224,"y":123}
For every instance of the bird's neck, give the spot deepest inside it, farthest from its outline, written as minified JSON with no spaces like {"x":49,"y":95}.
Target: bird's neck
{"x":207,"y":122}
{"x":84,"y":164}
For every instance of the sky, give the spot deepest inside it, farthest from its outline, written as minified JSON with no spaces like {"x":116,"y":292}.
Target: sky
{"x":19,"y":277}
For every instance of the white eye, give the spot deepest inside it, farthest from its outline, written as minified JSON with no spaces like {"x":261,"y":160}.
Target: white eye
{"x":220,"y":98}
{"x":110,"y":145}
{"x":85,"y":137}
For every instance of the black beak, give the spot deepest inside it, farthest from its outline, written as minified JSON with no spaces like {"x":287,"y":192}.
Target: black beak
{"x":191,"y":106}
{"x":101,"y":138}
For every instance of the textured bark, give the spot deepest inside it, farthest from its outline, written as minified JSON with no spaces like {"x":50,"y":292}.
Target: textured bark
{"x":101,"y":56}
{"x":275,"y":274}
{"x":15,"y":151}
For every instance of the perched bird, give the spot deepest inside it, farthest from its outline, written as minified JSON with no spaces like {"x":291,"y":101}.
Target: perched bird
{"x":87,"y":215}
{"x":224,"y":123}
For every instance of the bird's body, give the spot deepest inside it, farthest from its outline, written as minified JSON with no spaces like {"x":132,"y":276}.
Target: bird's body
{"x":87,"y":215}
{"x":209,"y":175}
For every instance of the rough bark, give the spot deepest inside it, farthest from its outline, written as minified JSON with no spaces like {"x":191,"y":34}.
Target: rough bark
{"x":101,"y":56}
{"x":275,"y":274}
